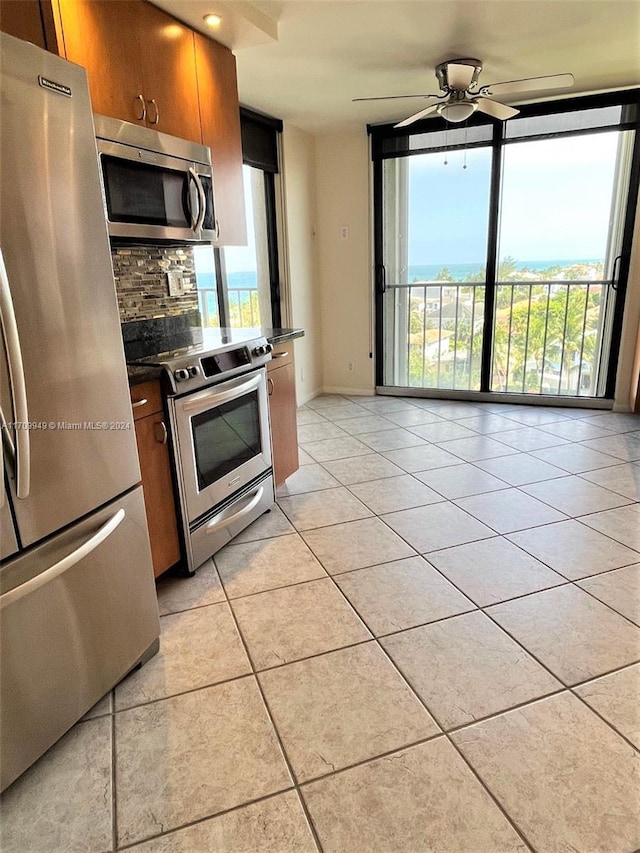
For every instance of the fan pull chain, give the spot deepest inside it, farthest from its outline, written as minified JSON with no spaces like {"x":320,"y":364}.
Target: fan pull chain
{"x":464,"y":162}
{"x":446,"y":140}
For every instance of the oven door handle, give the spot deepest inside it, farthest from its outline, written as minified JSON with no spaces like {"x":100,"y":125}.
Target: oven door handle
{"x":204,"y":403}
{"x":224,"y":519}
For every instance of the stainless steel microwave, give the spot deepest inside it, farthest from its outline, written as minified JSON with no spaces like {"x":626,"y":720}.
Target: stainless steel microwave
{"x":157,"y":188}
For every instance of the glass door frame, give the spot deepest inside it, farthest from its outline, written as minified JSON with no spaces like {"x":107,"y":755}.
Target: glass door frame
{"x":380,"y":133}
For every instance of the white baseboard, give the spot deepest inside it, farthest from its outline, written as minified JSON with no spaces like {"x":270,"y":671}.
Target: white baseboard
{"x":305,"y":399}
{"x":355,"y":392}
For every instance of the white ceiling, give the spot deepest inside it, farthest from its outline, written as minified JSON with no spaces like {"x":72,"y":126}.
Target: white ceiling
{"x":330,"y":51}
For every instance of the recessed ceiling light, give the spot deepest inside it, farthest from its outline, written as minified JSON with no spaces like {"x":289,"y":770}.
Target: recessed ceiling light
{"x":212,"y":20}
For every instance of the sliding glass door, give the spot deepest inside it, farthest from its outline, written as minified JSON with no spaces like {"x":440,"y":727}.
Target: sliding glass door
{"x":501,"y":251}
{"x":562,"y":202}
{"x":435,"y":242}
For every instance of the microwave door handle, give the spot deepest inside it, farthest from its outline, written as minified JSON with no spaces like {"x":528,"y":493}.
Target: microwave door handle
{"x":203,"y":201}
{"x":215,"y":399}
{"x":194,"y":198}
{"x":17,"y":383}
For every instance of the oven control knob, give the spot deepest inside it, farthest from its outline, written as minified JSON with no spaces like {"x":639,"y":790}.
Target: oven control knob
{"x":181,"y":374}
{"x":262,"y":349}
{"x":194,"y":370}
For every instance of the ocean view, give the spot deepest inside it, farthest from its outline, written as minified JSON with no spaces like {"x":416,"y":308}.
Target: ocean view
{"x":459,"y":272}
{"x":246,"y":280}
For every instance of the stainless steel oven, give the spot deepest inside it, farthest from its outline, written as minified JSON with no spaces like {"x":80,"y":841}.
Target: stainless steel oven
{"x":216,"y":397}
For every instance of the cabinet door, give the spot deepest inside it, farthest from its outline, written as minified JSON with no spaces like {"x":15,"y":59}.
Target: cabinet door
{"x":168,"y":64}
{"x":220,"y":116}
{"x":21,"y":18}
{"x":103,"y":38}
{"x":158,"y":492}
{"x":284,"y":428}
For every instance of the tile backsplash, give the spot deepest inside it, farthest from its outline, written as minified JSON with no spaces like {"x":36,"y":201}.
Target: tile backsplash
{"x":141,"y":281}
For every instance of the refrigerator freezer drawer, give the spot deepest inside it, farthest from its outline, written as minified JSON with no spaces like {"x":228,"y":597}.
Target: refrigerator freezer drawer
{"x":76,"y":614}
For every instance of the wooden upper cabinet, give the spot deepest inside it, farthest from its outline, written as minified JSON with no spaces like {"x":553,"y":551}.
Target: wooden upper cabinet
{"x":167,"y":60}
{"x":139,"y":60}
{"x":102,"y":36}
{"x":220,"y":119}
{"x":30,"y":20}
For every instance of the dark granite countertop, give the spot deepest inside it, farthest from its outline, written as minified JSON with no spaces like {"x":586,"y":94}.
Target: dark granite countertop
{"x":143,"y":373}
{"x":279,"y":336}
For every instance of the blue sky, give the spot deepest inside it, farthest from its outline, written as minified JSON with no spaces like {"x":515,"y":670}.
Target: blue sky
{"x":555,"y":204}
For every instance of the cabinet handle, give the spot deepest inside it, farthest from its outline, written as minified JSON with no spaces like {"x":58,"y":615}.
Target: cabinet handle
{"x":162,"y":435}
{"x":279,"y":354}
{"x":144,"y":108}
{"x":139,"y":403}
{"x":157,"y":112}
{"x":217,"y":231}
{"x":270,"y":385}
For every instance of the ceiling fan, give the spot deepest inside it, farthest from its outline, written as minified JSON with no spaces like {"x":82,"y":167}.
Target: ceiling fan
{"x":463,"y":95}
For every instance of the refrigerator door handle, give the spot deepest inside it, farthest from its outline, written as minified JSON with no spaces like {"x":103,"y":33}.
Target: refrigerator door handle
{"x":65,"y":564}
{"x":18,"y":387}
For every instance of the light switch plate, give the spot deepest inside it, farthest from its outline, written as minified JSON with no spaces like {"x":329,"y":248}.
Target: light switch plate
{"x":176,"y":286}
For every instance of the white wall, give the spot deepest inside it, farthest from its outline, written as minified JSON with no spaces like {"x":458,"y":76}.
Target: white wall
{"x":300,"y":257}
{"x":344,"y":262}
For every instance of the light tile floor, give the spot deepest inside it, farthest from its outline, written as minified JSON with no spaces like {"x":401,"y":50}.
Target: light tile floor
{"x":432,"y":644}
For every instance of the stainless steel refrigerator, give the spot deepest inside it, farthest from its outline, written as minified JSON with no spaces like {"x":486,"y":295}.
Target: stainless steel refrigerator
{"x":78,"y":607}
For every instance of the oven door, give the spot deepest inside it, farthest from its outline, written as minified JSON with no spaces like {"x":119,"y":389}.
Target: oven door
{"x":221,"y":440}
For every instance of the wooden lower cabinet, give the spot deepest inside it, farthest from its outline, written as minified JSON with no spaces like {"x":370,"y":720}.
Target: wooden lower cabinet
{"x":281,"y":381}
{"x":155,"y":465}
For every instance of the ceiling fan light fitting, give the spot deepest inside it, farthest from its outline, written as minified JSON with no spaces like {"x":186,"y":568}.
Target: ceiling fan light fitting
{"x":457,"y":111}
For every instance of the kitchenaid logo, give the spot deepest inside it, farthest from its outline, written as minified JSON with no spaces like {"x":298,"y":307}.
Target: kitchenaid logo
{"x":60,"y":88}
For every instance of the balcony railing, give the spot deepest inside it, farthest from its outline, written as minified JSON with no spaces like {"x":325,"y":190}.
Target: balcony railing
{"x":546,"y":335}
{"x":244,"y":308}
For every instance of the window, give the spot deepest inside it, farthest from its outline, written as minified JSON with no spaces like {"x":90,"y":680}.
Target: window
{"x":239,"y":286}
{"x":502,"y":249}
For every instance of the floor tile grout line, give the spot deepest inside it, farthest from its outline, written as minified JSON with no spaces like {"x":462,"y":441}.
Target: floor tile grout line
{"x":508,"y":533}
{"x":370,"y":639}
{"x":419,"y":699}
{"x":376,"y":640}
{"x":627,"y":501}
{"x":444,"y":731}
{"x":595,"y":711}
{"x":425,"y":555}
{"x":276,"y":732}
{"x":197,"y":821}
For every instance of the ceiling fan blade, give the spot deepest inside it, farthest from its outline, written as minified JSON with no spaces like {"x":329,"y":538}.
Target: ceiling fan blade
{"x":392,"y":97}
{"x":417,"y":116}
{"x":529,"y":84}
{"x":459,"y":76}
{"x":496,"y":109}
